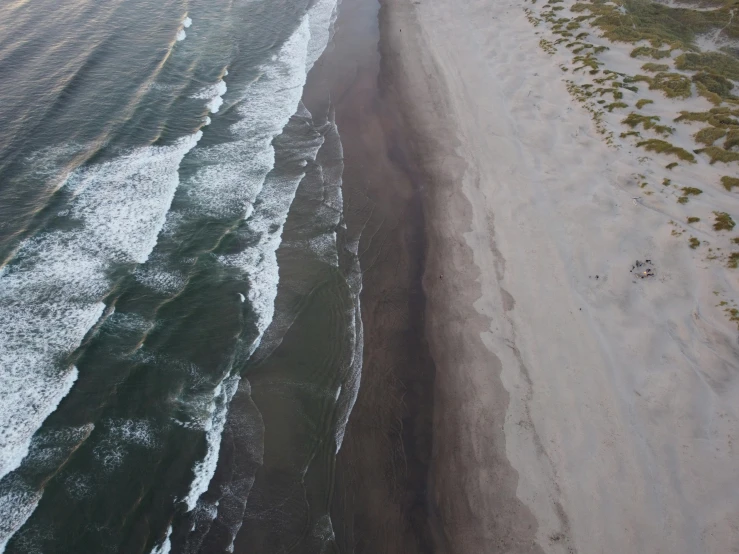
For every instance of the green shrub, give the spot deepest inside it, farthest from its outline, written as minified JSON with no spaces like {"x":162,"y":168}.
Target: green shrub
{"x":694,"y":219}
{"x":694,"y":243}
{"x":691,"y":191}
{"x":643,"y":102}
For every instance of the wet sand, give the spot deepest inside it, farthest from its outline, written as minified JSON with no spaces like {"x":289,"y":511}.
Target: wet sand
{"x":380,"y":500}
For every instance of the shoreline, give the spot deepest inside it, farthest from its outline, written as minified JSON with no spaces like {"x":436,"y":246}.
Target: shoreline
{"x":380,"y":500}
{"x":474,"y":503}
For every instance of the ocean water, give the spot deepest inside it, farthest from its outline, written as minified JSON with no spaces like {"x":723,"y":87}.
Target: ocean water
{"x":180,"y":330}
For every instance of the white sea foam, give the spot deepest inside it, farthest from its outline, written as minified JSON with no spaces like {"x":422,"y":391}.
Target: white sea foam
{"x":231,"y":174}
{"x":51,"y":448}
{"x":186,"y":22}
{"x":79,"y":485}
{"x":17,"y":503}
{"x":120,"y":435}
{"x":50,"y":294}
{"x":322,"y":17}
{"x":166,"y":545}
{"x":259,"y":260}
{"x":205,"y":469}
{"x":214,"y":95}
{"x":181,"y":35}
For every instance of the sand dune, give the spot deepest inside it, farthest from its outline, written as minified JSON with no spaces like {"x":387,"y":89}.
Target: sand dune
{"x":578,"y":408}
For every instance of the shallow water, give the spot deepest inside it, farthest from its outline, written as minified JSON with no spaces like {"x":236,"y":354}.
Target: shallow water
{"x":180,"y":340}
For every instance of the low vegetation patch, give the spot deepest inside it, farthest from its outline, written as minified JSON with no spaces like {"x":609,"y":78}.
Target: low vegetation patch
{"x":691,"y":191}
{"x":733,"y":260}
{"x":694,"y":219}
{"x":716,"y":84}
{"x":723,"y":222}
{"x":673,"y":85}
{"x":664,"y":147}
{"x":649,"y":52}
{"x":547,"y":46}
{"x":713,"y":62}
{"x":655,"y":67}
{"x":703,"y":117}
{"x":694,"y":243}
{"x":718,"y":117}
{"x":729,"y":182}
{"x":614,"y":105}
{"x":732,"y":139}
{"x":717,"y":154}
{"x":643,"y":102}
{"x":709,"y":135}
{"x":633,"y":120}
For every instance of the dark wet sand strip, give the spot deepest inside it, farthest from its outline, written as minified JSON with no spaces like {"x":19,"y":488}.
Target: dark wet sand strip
{"x":381,"y":500}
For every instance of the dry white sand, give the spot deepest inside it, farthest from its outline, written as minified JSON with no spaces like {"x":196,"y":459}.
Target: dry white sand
{"x":619,"y":402}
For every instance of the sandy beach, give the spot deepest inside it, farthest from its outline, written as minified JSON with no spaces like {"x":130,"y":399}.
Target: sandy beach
{"x":577,"y":408}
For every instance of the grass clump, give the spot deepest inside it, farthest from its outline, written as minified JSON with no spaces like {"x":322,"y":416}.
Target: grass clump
{"x":633,"y":120}
{"x":718,"y":154}
{"x":691,"y":191}
{"x":588,"y":60}
{"x":702,"y":117}
{"x":671,"y":165}
{"x":716,"y":63}
{"x":664,"y":147}
{"x":673,"y":85}
{"x":709,"y":135}
{"x":733,"y":261}
{"x":718,"y":117}
{"x":723,"y":222}
{"x":614,"y":105}
{"x":694,"y":219}
{"x":547,"y":46}
{"x":643,"y":102}
{"x":655,"y":67}
{"x":729,"y":182}
{"x":649,"y":52}
{"x":682,"y":200}
{"x":694,"y":243}
{"x":732,"y":139}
